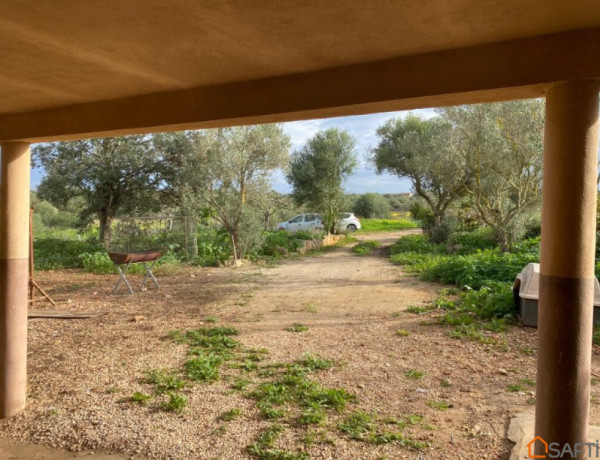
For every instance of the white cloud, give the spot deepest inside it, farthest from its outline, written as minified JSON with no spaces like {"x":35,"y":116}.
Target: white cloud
{"x":363,"y":128}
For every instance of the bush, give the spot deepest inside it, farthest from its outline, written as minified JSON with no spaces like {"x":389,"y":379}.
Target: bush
{"x":278,"y":243}
{"x":420,"y":244}
{"x":469,"y":242}
{"x":214,"y":247}
{"x":372,"y":205}
{"x":54,"y":254}
{"x":476,"y":270}
{"x":98,"y":262}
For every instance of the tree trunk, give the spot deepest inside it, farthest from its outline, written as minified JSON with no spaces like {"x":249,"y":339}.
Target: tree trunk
{"x":502,"y":236}
{"x":105,"y":230}
{"x":191,"y":235}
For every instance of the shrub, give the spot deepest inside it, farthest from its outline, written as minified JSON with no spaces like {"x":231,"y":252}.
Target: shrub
{"x":420,"y":244}
{"x":54,"y":254}
{"x":372,"y":205}
{"x":469,"y":242}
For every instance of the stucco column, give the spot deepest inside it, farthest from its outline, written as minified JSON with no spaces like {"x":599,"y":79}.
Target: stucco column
{"x":567,"y":263}
{"x":14,"y":276}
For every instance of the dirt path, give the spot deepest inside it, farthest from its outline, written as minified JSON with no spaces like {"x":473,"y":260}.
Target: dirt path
{"x":82,"y":373}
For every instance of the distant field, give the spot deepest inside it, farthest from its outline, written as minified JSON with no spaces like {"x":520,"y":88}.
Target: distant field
{"x":386,"y":225}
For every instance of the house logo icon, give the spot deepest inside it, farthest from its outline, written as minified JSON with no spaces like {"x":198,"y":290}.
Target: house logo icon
{"x":531,"y":448}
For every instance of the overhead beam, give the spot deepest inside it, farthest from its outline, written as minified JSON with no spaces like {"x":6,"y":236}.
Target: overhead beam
{"x":515,"y":69}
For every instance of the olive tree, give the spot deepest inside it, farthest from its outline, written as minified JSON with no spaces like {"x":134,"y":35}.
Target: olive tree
{"x":421,"y":151}
{"x":501,"y":149}
{"x":318,"y":170}
{"x":110,"y":176}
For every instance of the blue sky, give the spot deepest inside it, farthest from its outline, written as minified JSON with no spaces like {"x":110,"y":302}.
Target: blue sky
{"x":362,"y":127}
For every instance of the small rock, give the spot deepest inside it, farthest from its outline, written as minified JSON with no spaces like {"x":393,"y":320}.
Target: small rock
{"x":192,"y":275}
{"x":138,"y":318}
{"x":502,"y":371}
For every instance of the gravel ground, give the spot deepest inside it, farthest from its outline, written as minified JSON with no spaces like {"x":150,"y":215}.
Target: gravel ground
{"x":82,"y":373}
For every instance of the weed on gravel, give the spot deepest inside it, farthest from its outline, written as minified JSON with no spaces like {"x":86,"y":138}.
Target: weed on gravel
{"x":296,"y":327}
{"x":285,"y":392}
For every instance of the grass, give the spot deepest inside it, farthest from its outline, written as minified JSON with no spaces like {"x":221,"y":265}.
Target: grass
{"x":416,"y":309}
{"x":414,"y":374}
{"x":164,"y":381}
{"x":296,"y":327}
{"x":230,"y":415}
{"x":140,"y":398}
{"x":361,"y":426}
{"x":262,"y":448}
{"x":365,"y":247}
{"x":438,"y":404}
{"x":386,"y":225}
{"x":311,"y":307}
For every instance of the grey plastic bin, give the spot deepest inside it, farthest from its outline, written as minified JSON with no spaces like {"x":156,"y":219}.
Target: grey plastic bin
{"x":526,"y":291}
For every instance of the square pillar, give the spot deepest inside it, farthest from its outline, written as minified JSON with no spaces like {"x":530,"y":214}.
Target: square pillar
{"x":565,"y":314}
{"x":14,"y":276}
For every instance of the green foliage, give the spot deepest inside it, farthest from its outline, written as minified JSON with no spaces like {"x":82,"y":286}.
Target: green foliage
{"x":140,"y":398}
{"x":402,"y":333}
{"x":365,"y":247}
{"x":357,"y":424}
{"x":175,"y":403}
{"x":414,"y":374}
{"x":318,"y":170}
{"x":438,"y":404}
{"x":230,"y":415}
{"x":280,"y":242}
{"x":214,"y":247}
{"x":164,"y":381}
{"x":262,"y":449}
{"x":54,"y":254}
{"x":203,"y":368}
{"x":469,"y":242}
{"x":422,"y":151}
{"x":111,"y":175}
{"x":296,"y":327}
{"x":361,"y":426}
{"x":419,"y":244}
{"x":386,"y":225}
{"x":371,"y":206}
{"x":99,"y":263}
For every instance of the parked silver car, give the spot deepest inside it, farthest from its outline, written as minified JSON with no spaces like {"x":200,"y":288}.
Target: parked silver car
{"x":302,"y":222}
{"x":347,"y":222}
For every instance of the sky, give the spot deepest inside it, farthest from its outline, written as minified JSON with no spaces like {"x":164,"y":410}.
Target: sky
{"x":362,"y":127}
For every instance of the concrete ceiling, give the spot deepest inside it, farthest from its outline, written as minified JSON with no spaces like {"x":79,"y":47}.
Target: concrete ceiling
{"x":61,"y":59}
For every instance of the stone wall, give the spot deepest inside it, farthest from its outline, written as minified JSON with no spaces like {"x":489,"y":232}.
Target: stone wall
{"x":311,"y":245}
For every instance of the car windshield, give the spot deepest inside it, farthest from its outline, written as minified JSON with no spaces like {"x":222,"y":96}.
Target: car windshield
{"x":344,"y":215}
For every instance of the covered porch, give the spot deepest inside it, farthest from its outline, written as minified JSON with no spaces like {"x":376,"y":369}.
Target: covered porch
{"x":78,"y":71}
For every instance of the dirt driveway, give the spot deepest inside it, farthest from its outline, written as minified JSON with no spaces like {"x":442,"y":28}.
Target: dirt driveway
{"x":451,"y":398}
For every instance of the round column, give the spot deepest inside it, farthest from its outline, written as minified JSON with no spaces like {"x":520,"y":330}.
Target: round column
{"x":14,"y":276}
{"x":567,"y":264}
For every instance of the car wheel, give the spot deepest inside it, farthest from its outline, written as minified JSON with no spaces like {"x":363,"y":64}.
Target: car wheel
{"x":281,"y":229}
{"x":351,"y":228}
